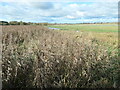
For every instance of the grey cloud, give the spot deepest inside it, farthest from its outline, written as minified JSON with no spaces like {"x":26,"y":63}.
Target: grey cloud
{"x":42,"y":5}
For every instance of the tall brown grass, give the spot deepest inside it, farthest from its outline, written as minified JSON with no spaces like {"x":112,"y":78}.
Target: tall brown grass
{"x":35,"y":57}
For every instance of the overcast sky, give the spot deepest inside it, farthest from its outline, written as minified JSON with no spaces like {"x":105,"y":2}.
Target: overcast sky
{"x":59,"y":12}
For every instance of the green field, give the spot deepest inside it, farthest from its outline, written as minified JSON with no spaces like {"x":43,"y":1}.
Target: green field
{"x":88,"y":27}
{"x":107,"y":33}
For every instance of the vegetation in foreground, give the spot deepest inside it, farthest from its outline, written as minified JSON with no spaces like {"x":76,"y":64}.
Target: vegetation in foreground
{"x":34,"y":56}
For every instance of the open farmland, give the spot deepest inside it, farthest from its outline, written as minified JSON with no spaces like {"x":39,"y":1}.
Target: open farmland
{"x":106,"y":33}
{"x":88,"y":27}
{"x":35,"y":56}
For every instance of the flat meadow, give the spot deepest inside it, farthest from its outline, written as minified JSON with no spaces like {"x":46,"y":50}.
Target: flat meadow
{"x":76,"y":56}
{"x":88,"y":27}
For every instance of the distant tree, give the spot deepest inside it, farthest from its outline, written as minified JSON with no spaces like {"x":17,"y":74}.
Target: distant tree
{"x":14,"y":23}
{"x":24,"y":23}
{"x":4,"y":23}
{"x":21,"y":23}
{"x":45,"y":24}
{"x":40,"y":24}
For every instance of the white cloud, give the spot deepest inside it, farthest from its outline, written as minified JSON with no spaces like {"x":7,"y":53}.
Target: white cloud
{"x":73,"y":5}
{"x":59,"y":1}
{"x":70,"y":17}
{"x":61,"y":11}
{"x":81,"y":14}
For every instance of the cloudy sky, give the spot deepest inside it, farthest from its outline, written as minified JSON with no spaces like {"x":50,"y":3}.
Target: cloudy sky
{"x":59,"y":12}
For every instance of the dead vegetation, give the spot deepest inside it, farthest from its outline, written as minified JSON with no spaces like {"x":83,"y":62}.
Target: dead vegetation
{"x":33,"y":56}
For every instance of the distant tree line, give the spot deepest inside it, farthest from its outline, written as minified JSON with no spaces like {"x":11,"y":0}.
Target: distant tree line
{"x":45,"y":24}
{"x":21,"y":23}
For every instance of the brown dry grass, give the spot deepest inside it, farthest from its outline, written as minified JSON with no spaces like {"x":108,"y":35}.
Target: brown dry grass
{"x":34,"y":56}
